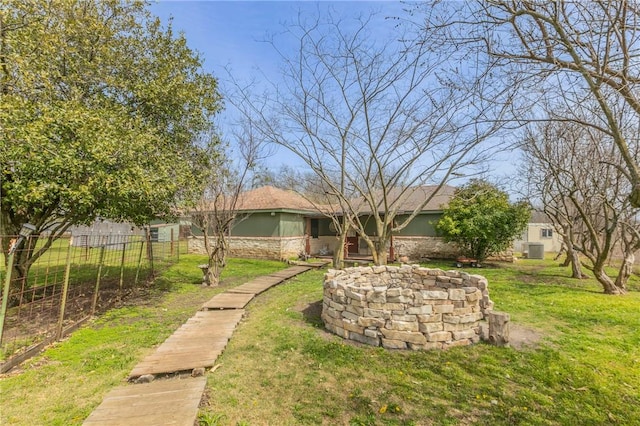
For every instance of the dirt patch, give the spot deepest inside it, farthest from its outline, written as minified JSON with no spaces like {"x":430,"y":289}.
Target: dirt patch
{"x":521,"y":337}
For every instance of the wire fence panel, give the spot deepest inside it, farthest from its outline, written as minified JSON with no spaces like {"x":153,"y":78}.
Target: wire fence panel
{"x":73,"y":280}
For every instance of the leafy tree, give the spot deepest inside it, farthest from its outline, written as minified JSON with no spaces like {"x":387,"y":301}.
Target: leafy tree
{"x":481,"y":220}
{"x":100,"y":109}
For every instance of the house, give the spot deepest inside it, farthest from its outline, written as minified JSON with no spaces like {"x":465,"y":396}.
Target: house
{"x":540,"y":230}
{"x":273,"y":223}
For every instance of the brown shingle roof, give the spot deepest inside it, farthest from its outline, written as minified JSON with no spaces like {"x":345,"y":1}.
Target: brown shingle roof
{"x":413,"y":198}
{"x":271,"y":198}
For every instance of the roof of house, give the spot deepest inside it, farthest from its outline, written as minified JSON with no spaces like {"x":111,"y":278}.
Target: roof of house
{"x":412,"y":198}
{"x":539,"y":217}
{"x":269,"y":198}
{"x":272,"y":198}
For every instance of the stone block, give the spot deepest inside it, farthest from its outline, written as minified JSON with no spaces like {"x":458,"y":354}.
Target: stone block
{"x":404,"y":317}
{"x":426,"y":346}
{"x":499,"y":328}
{"x":393,"y":344}
{"x":372,"y":341}
{"x":472,"y":297}
{"x":376,"y":296}
{"x":394,"y":306}
{"x":455,"y":327}
{"x":401,"y":325}
{"x":453,"y":273}
{"x":379,"y":269}
{"x":430,"y":327}
{"x":377,"y":306}
{"x":337,"y":306}
{"x":426,"y":294}
{"x":399,"y":299}
{"x":376,"y":313}
{"x":457,"y":294}
{"x":429,"y":318}
{"x":450,"y":319}
{"x":463,"y":310}
{"x":369,"y":332}
{"x":457,"y":281}
{"x":371,"y":322}
{"x":463,"y":334}
{"x":439,"y":336}
{"x":350,"y":316}
{"x":350,"y":293}
{"x":356,"y":310}
{"x":442,"y":279}
{"x":406,"y":336}
{"x":394,"y":292}
{"x":349,"y":326}
{"x":464,"y":342}
{"x":420,"y":310}
{"x":443,"y":309}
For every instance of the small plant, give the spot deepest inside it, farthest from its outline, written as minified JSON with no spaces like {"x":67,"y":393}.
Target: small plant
{"x":207,"y":418}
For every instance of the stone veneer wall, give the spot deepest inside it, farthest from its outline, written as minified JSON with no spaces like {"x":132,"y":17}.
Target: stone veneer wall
{"x":274,"y":248}
{"x":424,"y":247}
{"x":406,"y":306}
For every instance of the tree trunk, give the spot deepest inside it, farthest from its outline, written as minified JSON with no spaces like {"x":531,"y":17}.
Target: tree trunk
{"x":574,"y":259}
{"x":625,"y":271}
{"x":338,"y":252}
{"x":609,"y":286}
{"x":380,"y":253}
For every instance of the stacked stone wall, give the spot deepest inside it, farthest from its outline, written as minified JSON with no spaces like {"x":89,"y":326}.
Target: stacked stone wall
{"x":405,"y":307}
{"x":272,"y":248}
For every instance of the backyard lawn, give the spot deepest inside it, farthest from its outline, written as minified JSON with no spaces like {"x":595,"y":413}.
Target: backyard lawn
{"x":580,"y":364}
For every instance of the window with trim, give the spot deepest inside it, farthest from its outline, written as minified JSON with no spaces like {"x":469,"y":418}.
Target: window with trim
{"x":547,"y":233}
{"x":315,"y":228}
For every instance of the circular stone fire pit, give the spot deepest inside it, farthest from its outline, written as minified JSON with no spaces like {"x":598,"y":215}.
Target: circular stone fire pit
{"x":406,"y":306}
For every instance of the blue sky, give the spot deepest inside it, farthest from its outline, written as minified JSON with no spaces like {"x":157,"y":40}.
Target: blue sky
{"x":232,"y":33}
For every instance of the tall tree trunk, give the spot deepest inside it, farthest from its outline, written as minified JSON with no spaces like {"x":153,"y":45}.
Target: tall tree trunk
{"x":625,"y":271}
{"x":338,"y":252}
{"x":380,"y":252}
{"x":609,"y":286}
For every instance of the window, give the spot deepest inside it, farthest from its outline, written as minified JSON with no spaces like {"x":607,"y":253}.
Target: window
{"x":547,"y":233}
{"x":314,"y":228}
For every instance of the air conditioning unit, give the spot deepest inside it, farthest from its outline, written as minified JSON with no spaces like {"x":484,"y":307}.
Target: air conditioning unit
{"x":536,"y":251}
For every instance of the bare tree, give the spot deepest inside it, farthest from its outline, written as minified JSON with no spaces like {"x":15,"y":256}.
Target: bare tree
{"x":377,"y":119}
{"x":586,"y":199}
{"x":217,"y":211}
{"x":561,"y":51}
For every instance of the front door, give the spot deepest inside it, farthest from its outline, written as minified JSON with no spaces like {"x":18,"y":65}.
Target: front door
{"x":352,"y":245}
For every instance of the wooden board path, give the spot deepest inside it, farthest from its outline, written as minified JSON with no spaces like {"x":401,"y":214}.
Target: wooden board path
{"x":196,"y":344}
{"x":162,"y":402}
{"x":258,"y":285}
{"x":228,"y":301}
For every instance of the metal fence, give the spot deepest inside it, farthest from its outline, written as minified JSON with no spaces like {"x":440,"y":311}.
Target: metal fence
{"x":71,"y":282}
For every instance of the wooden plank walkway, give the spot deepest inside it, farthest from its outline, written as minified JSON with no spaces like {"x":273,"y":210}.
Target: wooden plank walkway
{"x":162,"y":402}
{"x":261,"y":284}
{"x":197,"y":344}
{"x":228,"y":301}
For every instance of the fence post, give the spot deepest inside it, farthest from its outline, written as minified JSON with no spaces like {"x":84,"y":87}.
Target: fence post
{"x":5,"y":292}
{"x":65,"y":290}
{"x":139,"y":262}
{"x":172,"y":243}
{"x":100,"y":263}
{"x":124,"y":249}
{"x":149,"y":249}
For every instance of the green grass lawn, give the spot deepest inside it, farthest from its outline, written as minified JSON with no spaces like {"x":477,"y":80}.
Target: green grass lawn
{"x":282,"y":368}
